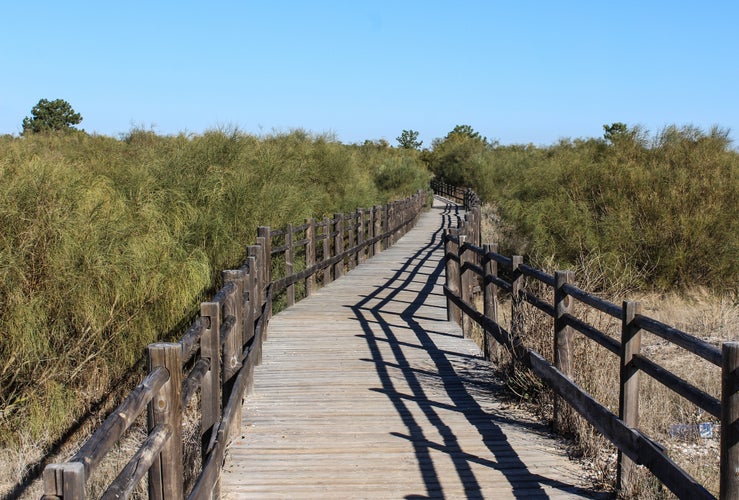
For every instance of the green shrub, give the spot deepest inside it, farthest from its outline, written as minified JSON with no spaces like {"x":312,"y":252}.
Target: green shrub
{"x":660,"y":210}
{"x":111,"y":244}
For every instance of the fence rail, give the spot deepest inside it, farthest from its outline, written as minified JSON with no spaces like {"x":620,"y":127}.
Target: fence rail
{"x":216,"y":356}
{"x":474,"y":268}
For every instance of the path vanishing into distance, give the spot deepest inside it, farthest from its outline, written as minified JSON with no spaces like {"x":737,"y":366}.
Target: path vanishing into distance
{"x":366,"y":390}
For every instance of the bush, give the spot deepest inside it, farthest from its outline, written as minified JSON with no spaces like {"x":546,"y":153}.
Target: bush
{"x":661,"y":211}
{"x":111,"y":244}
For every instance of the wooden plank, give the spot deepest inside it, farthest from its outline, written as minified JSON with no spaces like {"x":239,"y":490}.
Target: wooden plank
{"x":138,"y":466}
{"x":94,"y":450}
{"x":367,"y":390}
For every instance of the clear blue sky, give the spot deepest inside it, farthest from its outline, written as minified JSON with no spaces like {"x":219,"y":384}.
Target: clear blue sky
{"x":516,"y":71}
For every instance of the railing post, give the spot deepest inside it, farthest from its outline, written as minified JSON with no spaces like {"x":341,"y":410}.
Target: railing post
{"x":563,"y":336}
{"x":256,"y":271}
{"x":266,"y":275}
{"x":310,"y":255}
{"x":351,"y":231}
{"x":265,"y":232}
{"x":261,"y":281}
{"x":165,"y":475}
{"x":490,"y":299}
{"x":464,"y":283}
{"x":386,"y":226}
{"x":452,"y":273}
{"x":471,"y":239}
{"x":517,"y":325}
{"x":250,"y":311}
{"x":234,"y":344}
{"x":628,"y":397}
{"x":289,"y":263}
{"x":361,"y":236}
{"x":210,"y":398}
{"x":376,"y":229}
{"x":233,"y":306}
{"x":729,"y":482}
{"x":66,"y":481}
{"x":251,"y":315}
{"x":477,"y":229}
{"x":339,"y":245}
{"x":326,"y":250}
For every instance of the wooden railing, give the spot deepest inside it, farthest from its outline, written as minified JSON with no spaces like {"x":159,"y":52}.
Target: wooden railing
{"x":461,"y":196}
{"x":216,"y":357}
{"x":474,"y":268}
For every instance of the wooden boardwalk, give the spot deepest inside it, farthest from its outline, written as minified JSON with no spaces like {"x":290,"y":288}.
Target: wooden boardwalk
{"x":367,"y":391}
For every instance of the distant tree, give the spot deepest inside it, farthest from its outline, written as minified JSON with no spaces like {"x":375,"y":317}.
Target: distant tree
{"x":47,"y":116}
{"x":409,"y":140}
{"x":377,"y":144}
{"x":615,"y":130}
{"x":465,"y":131}
{"x":459,"y":156}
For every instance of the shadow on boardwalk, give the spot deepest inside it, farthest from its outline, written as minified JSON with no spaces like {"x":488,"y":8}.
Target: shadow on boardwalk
{"x":425,"y":267}
{"x":367,"y":391}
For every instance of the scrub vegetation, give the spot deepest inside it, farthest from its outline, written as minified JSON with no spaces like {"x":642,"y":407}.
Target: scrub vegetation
{"x":110,"y":244}
{"x":652,"y":219}
{"x":659,"y":212}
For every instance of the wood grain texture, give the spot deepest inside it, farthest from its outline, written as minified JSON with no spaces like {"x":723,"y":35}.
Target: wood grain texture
{"x":367,"y":391}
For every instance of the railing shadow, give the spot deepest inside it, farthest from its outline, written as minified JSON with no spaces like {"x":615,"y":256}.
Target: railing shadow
{"x":377,"y":331}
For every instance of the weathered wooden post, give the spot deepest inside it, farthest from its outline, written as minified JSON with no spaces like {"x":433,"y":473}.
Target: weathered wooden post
{"x":471,"y":257}
{"x":65,"y":481}
{"x":377,"y":229}
{"x":361,"y":235}
{"x":477,"y":218}
{"x":397,"y":214}
{"x":326,"y":250}
{"x":351,"y":231}
{"x":391,"y":224}
{"x":255,"y":253}
{"x":310,"y":255}
{"x":490,"y":299}
{"x":165,"y":475}
{"x":264,"y":265}
{"x":628,"y":397}
{"x":517,"y":326}
{"x":563,"y":337}
{"x":729,"y":482}
{"x":261,"y":278}
{"x":233,"y":345}
{"x":289,"y":263}
{"x":211,"y":393}
{"x":386,"y":226}
{"x":266,"y":275}
{"x":232,"y":306}
{"x":339,"y":245}
{"x":264,"y":232}
{"x":451,"y":252}
{"x":464,"y":283}
{"x":250,"y":314}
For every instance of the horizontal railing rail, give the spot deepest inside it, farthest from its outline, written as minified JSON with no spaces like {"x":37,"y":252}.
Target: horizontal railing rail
{"x":215,"y":358}
{"x":472,"y":268}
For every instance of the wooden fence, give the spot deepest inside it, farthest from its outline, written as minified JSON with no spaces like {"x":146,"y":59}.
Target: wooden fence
{"x":216,"y":357}
{"x":474,"y":268}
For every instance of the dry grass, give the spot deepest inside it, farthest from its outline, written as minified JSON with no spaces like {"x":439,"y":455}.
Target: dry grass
{"x":708,"y":316}
{"x":110,"y":244}
{"x":18,"y":459}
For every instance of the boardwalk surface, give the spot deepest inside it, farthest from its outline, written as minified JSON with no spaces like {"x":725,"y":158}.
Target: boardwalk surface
{"x":367,"y":391}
